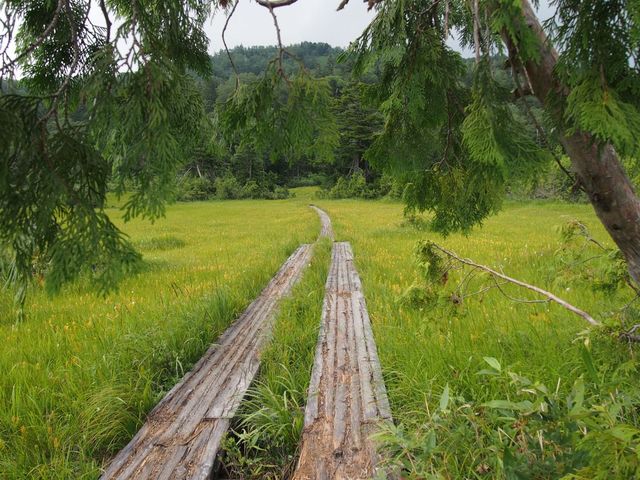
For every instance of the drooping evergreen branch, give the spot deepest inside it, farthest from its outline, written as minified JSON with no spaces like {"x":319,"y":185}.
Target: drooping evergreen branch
{"x":36,"y":43}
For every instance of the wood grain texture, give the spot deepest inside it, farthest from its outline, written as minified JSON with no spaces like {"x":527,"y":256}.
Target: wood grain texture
{"x":183,"y":432}
{"x":347,"y":398}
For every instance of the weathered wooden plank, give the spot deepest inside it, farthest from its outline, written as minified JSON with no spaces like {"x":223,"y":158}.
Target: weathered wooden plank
{"x":347,"y":397}
{"x":183,"y":432}
{"x":326,"y":228}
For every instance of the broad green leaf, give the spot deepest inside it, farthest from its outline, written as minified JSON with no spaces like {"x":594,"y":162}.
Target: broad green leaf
{"x":493,"y":363}
{"x":444,"y":398}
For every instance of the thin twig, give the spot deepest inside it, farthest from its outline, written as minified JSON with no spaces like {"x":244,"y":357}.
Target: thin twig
{"x":476,"y":30}
{"x":550,"y":296}
{"x":224,"y":42}
{"x":39,"y":40}
{"x":281,"y":49}
{"x":107,"y":20}
{"x":514,"y":299}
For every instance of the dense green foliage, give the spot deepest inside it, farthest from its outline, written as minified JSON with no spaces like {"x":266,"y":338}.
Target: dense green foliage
{"x":91,"y":111}
{"x":118,"y":104}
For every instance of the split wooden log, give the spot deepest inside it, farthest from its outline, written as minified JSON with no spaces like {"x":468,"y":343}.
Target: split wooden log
{"x":326,"y":229}
{"x":347,"y":398}
{"x":182,"y":434}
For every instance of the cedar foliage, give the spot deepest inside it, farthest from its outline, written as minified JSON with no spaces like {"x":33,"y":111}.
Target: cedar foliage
{"x":118,"y":103}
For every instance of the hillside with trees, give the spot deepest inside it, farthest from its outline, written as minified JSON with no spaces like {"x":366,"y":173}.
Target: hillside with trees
{"x":227,"y":168}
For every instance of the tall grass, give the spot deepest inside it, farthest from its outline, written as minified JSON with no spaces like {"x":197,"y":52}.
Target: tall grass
{"x":80,"y":372}
{"x":452,"y":421}
{"x":483,"y":388}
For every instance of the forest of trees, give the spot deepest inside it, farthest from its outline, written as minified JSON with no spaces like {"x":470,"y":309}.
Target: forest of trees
{"x":226,"y":170}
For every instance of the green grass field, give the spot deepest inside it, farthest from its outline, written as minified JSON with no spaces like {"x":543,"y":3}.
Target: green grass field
{"x":426,"y":350}
{"x":80,"y":372}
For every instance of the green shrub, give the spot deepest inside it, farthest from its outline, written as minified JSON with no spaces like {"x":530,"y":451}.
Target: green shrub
{"x":227,"y":187}
{"x":190,"y":189}
{"x":310,"y":180}
{"x":280,"y":193}
{"x":533,"y":431}
{"x":251,"y":189}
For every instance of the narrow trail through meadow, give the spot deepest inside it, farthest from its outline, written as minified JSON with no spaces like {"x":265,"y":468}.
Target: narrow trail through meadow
{"x":347,"y":396}
{"x":182,"y":434}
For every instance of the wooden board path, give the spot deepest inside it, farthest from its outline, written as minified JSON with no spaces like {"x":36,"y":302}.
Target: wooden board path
{"x":182,"y":434}
{"x":347,"y":397}
{"x":326,"y":228}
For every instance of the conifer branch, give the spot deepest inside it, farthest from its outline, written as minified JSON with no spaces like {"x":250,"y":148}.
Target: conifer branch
{"x":540,"y":130}
{"x":47,"y":31}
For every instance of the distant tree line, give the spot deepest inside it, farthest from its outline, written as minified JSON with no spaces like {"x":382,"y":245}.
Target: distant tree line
{"x":225,"y":168}
{"x":228,"y":168}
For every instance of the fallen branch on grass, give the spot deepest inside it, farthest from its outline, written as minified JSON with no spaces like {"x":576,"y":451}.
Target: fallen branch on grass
{"x":550,"y":297}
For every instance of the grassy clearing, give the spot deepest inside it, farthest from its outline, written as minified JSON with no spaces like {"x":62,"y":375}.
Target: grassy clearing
{"x":543,"y":384}
{"x":80,"y":372}
{"x":486,"y":388}
{"x":269,"y":425}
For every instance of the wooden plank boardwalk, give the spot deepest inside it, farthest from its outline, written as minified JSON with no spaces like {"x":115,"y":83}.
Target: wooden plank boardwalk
{"x":326,"y":229}
{"x":182,"y":434}
{"x":347,"y":397}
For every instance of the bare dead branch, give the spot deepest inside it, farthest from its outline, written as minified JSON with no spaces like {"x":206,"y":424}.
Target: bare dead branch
{"x":476,"y":30}
{"x":630,"y":335}
{"x":549,"y":296}
{"x":281,"y":49}
{"x":224,"y":42}
{"x":514,"y":299}
{"x":107,"y":20}
{"x":446,"y":19}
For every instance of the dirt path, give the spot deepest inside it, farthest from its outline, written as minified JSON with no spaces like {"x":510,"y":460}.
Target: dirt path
{"x":182,"y":434}
{"x":347,"y":397}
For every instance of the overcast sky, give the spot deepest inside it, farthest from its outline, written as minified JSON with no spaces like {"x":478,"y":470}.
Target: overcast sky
{"x":306,"y":20}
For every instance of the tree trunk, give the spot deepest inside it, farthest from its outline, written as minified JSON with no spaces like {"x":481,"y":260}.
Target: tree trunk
{"x":597,"y":168}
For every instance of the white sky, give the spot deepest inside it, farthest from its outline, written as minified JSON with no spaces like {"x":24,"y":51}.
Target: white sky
{"x":305,"y":20}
